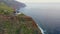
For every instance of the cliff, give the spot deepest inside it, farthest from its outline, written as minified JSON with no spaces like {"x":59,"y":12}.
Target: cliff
{"x":13,"y":4}
{"x":18,"y":25}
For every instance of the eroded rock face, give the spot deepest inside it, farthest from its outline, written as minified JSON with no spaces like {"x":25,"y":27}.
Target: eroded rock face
{"x":18,"y":25}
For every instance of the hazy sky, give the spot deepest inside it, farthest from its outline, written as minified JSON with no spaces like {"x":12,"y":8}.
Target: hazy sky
{"x":38,"y":1}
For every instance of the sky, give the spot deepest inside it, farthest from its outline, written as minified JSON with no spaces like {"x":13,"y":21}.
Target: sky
{"x":39,"y":1}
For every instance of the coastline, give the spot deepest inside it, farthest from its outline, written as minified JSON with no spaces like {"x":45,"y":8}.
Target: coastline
{"x":42,"y":31}
{"x":28,"y":18}
{"x":36,"y":25}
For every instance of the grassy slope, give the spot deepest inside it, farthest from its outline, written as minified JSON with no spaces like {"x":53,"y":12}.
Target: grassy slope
{"x":5,"y":9}
{"x":20,"y":24}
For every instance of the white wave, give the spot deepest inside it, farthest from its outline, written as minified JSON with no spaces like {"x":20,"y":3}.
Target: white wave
{"x":42,"y":31}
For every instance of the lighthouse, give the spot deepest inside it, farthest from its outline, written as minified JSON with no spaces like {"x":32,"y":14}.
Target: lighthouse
{"x":17,"y":12}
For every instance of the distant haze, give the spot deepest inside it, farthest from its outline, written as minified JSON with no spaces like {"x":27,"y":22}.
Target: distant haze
{"x":39,"y":1}
{"x":14,"y":4}
{"x":47,"y":13}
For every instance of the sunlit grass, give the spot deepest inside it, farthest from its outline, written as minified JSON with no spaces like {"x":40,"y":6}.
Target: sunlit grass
{"x":4,"y":9}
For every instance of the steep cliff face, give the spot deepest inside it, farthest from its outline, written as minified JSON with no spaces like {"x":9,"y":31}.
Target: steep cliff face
{"x":18,"y":25}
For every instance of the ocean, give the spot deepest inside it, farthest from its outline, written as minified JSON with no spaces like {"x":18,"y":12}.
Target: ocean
{"x":46,"y":15}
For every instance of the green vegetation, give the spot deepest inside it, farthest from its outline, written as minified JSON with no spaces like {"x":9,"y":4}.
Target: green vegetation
{"x":14,"y":24}
{"x":21,"y":14}
{"x":4,"y":9}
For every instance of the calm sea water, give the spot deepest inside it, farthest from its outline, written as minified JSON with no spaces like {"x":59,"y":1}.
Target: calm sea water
{"x":46,"y":15}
